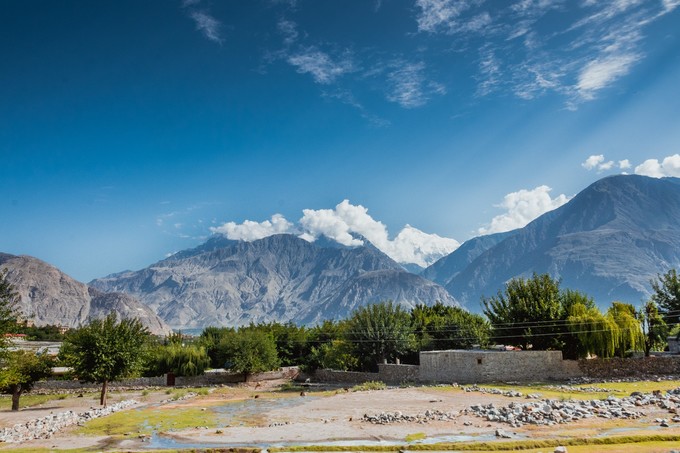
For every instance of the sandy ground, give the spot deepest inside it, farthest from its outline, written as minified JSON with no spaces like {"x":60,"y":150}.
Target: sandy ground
{"x":336,"y":416}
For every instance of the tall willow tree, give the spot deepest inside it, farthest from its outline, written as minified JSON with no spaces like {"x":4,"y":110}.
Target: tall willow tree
{"x":595,"y":333}
{"x":631,"y":336}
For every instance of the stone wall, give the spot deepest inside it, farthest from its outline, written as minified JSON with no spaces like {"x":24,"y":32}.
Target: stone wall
{"x":673,"y":345}
{"x":620,"y":368}
{"x":344,"y":377}
{"x":394,"y":374}
{"x":206,"y":379}
{"x":477,"y":366}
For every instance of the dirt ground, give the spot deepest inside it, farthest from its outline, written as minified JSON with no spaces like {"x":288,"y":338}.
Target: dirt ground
{"x":263,"y":417}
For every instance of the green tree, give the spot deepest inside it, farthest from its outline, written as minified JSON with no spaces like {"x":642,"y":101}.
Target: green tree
{"x":9,"y":307}
{"x":380,"y":332}
{"x":654,"y":328}
{"x":666,"y":295}
{"x":21,"y":370}
{"x":179,"y":359}
{"x":630,"y":337}
{"x":106,"y":350}
{"x":442,"y":326}
{"x":527,"y":313}
{"x":251,"y":350}
{"x":334,"y":355}
{"x":592,"y":332}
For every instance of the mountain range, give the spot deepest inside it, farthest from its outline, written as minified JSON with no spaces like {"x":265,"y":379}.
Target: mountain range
{"x":609,"y":241}
{"x":49,"y":296}
{"x":277,"y":278}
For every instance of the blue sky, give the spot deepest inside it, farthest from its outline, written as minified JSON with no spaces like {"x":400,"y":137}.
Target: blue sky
{"x":130,"y":130}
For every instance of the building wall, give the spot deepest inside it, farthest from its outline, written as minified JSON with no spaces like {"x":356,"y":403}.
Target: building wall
{"x":494,"y":366}
{"x":394,"y":374}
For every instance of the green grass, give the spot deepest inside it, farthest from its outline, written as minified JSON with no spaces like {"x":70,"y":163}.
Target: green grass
{"x":148,"y":420}
{"x":370,"y":385}
{"x":30,"y":400}
{"x":635,"y":443}
{"x":618,"y":389}
{"x":414,"y":437}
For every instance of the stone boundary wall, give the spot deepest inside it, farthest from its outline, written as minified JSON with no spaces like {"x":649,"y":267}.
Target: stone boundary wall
{"x":206,"y":379}
{"x":344,"y":377}
{"x":394,"y":374}
{"x":480,"y":366}
{"x":620,"y":368}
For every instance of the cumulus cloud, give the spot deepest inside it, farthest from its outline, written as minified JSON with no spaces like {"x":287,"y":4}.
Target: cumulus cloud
{"x":597,"y":162}
{"x":624,"y":164}
{"x":349,"y":225}
{"x":669,"y":166}
{"x":522,"y":207}
{"x":251,"y":231}
{"x":320,"y":65}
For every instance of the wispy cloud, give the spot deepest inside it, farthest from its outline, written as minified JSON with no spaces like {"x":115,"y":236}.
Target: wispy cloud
{"x":320,"y":65}
{"x":522,"y":207}
{"x":346,"y":97}
{"x":441,"y":15}
{"x":288,"y":29}
{"x":409,"y":87}
{"x":208,"y":25}
{"x":522,"y":50}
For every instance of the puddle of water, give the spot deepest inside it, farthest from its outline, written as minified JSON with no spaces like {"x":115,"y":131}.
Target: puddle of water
{"x":241,"y":411}
{"x":628,"y":429}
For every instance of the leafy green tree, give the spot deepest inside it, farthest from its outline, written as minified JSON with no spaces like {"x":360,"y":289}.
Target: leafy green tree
{"x":292,"y":342}
{"x":106,"y":350}
{"x":593,"y":332}
{"x":380,"y":332}
{"x":251,"y":350}
{"x":630,"y":337}
{"x":9,"y":307}
{"x":441,"y":326}
{"x":527,"y":313}
{"x":654,"y":328}
{"x":334,"y":355}
{"x":21,"y":370}
{"x":179,"y":359}
{"x":666,"y":295}
{"x":216,"y":341}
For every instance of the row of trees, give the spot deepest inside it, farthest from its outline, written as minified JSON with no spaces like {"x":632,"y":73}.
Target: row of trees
{"x":534,"y":313}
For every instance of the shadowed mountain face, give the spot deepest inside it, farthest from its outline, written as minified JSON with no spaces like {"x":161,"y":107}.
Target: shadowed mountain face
{"x":609,"y":242}
{"x":278,"y":278}
{"x":48,"y":296}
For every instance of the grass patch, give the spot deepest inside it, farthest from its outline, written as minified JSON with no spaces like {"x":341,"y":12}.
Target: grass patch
{"x":291,"y":386}
{"x":30,"y":400}
{"x":415,"y":436}
{"x":148,"y":420}
{"x":370,"y":385}
{"x":635,"y":443}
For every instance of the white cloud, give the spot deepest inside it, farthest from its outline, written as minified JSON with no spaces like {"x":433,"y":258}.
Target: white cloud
{"x":597,"y":162}
{"x":624,"y":164}
{"x":409,"y":87}
{"x":208,"y":25}
{"x":670,"y":166}
{"x":251,"y":231}
{"x":440,"y":14}
{"x":347,"y":224}
{"x":320,"y":65}
{"x":602,"y":72}
{"x":593,"y":162}
{"x":522,"y":207}
{"x":289,"y":31}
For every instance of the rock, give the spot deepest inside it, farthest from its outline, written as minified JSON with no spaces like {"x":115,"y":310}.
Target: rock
{"x":560,"y":449}
{"x":502,"y":434}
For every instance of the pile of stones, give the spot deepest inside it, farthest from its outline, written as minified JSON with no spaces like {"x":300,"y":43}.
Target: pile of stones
{"x":571,"y":388}
{"x":493,"y":391}
{"x":551,"y":412}
{"x":46,"y":427}
{"x":385,"y":418}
